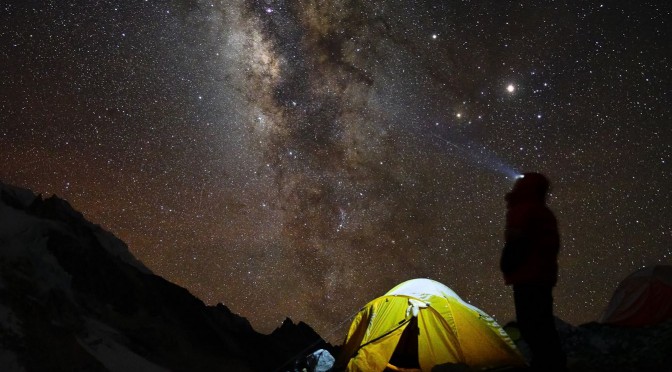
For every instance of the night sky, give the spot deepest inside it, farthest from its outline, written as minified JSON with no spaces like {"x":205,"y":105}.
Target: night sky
{"x":300,"y":158}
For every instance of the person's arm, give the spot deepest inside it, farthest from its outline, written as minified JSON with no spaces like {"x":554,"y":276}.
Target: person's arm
{"x":516,"y":244}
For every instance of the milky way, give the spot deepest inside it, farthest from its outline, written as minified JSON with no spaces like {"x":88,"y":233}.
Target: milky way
{"x":299,"y":158}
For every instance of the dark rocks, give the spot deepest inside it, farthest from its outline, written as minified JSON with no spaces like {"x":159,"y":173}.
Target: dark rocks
{"x":72,"y":297}
{"x":596,"y":347}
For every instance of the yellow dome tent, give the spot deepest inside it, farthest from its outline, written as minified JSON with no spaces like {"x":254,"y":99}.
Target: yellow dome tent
{"x":423,"y":325}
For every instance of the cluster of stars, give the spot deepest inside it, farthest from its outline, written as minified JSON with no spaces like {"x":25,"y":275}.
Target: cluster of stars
{"x":253,"y":152}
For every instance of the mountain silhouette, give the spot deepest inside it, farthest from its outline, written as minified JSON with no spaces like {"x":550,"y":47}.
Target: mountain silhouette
{"x":73,"y":298}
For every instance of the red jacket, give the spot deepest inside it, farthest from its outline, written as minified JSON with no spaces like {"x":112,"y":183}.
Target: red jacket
{"x":530,"y":254}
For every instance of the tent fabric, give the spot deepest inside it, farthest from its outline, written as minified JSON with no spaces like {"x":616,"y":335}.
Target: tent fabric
{"x":643,"y":298}
{"x":450,"y":331}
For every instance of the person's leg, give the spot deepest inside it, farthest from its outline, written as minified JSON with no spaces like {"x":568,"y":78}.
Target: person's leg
{"x":534,"y":313}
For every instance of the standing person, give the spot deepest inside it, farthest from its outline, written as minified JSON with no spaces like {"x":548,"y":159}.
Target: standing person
{"x":529,"y":262}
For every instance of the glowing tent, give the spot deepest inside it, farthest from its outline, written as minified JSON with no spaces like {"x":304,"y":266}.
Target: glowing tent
{"x":643,"y":298}
{"x":422,"y":324}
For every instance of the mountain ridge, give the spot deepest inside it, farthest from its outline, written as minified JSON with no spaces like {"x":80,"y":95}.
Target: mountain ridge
{"x":73,"y":297}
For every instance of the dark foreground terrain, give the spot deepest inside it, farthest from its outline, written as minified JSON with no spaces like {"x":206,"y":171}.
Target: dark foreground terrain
{"x":73,"y":298}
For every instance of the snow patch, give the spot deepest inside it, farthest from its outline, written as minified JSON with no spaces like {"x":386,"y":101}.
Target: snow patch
{"x":9,"y":362}
{"x":9,"y":322}
{"x":103,"y":343}
{"x":13,"y":221}
{"x":46,"y":272}
{"x":25,"y":197}
{"x":118,"y":248}
{"x":23,"y":239}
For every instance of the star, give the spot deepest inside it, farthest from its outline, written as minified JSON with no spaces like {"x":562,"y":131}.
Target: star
{"x":262,"y":123}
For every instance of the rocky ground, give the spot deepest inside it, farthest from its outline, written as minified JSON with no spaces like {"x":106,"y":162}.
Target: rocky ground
{"x":73,"y":298}
{"x":596,"y":347}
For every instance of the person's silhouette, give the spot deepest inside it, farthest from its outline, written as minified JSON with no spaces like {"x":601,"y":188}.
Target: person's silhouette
{"x":529,"y":262}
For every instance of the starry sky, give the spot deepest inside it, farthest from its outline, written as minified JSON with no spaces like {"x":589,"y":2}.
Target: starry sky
{"x":300,"y":158}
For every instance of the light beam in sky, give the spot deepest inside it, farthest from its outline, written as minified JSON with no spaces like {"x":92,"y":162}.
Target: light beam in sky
{"x":483,"y":157}
{"x":307,"y":153}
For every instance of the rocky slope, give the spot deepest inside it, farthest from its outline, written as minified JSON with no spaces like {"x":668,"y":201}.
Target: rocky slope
{"x":596,"y":347}
{"x":73,"y":298}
